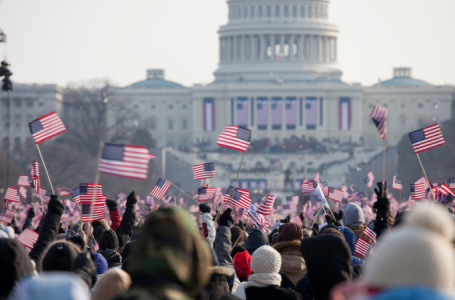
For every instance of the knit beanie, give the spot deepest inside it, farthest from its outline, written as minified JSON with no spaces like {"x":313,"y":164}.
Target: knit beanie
{"x":419,"y":252}
{"x":241,"y":263}
{"x":237,"y":249}
{"x":266,"y":260}
{"x":290,"y":232}
{"x":236,"y":236}
{"x":108,"y":240}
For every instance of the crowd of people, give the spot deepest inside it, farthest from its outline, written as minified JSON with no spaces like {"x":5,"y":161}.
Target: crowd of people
{"x":170,"y":256}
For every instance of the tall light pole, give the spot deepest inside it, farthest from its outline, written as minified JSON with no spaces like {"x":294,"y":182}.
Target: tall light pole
{"x":7,"y":86}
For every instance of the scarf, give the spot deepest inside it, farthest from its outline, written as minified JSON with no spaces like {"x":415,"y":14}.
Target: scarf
{"x":259,"y":280}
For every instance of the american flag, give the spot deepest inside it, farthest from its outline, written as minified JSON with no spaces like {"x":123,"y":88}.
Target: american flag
{"x":120,"y":196}
{"x":291,"y":112}
{"x":370,"y":233}
{"x":357,"y":196}
{"x":6,"y":216}
{"x":419,"y":188}
{"x":171,"y":201}
{"x":64,"y":191}
{"x":204,"y":171}
{"x":28,"y":238}
{"x":262,"y":112}
{"x":309,"y":211}
{"x":23,"y":192}
{"x":267,"y":207}
{"x":193,"y":209}
{"x":44,"y":194}
{"x":23,"y":180}
{"x":317,"y":178}
{"x":277,"y":112}
{"x":240,"y":198}
{"x":311,"y":112}
{"x":396,"y":184}
{"x":336,"y":195}
{"x":46,"y":127}
{"x":160,"y":188}
{"x":205,"y":193}
{"x":12,"y":195}
{"x":307,"y":186}
{"x":242,"y":111}
{"x":90,"y":191}
{"x":291,"y":205}
{"x":150,"y":201}
{"x":362,"y":247}
{"x":37,"y":218}
{"x":125,"y":160}
{"x":76,"y":195}
{"x":426,"y":138}
{"x":379,"y":117}
{"x":257,"y":220}
{"x":447,"y":199}
{"x":93,"y":211}
{"x":444,"y":189}
{"x":412,"y":194}
{"x":151,"y":156}
{"x":452,"y":183}
{"x":35,"y":176}
{"x":235,"y":137}
{"x":297,"y":220}
{"x":369,"y":180}
{"x":70,"y":205}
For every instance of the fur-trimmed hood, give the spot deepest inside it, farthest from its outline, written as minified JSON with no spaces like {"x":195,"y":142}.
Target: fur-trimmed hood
{"x":287,"y":245}
{"x":222,"y":270}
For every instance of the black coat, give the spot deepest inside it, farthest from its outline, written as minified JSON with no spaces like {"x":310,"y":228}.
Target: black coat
{"x":328,"y":260}
{"x":126,"y":227}
{"x":218,"y":286}
{"x":271,"y":292}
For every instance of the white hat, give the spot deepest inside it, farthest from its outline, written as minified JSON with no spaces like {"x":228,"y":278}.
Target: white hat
{"x":266,"y":260}
{"x":418,"y":252}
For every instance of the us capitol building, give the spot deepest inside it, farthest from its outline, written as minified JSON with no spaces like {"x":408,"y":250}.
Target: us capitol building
{"x":278,"y":76}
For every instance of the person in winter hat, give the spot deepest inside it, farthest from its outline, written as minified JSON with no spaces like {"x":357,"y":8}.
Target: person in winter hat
{"x":51,"y":286}
{"x":350,"y":239}
{"x":14,"y":264}
{"x":207,"y":223}
{"x":170,"y":259}
{"x":264,"y":282}
{"x":416,"y":258}
{"x":328,"y":259}
{"x":288,"y":245}
{"x":114,"y":283}
{"x":354,"y":219}
{"x":100,"y":263}
{"x":236,"y":236}
{"x":256,"y":239}
{"x":109,"y":248}
{"x":241,"y":263}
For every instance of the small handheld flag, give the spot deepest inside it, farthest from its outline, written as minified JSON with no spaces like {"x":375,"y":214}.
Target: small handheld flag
{"x":240,"y":197}
{"x":396,"y":184}
{"x":28,"y":238}
{"x":369,"y":180}
{"x":64,"y":191}
{"x":336,"y":195}
{"x":46,"y":127}
{"x":426,"y":138}
{"x":125,"y":160}
{"x":267,"y":207}
{"x":204,"y":171}
{"x":23,"y":180}
{"x":160,"y":189}
{"x":12,"y":195}
{"x":235,"y":137}
{"x":205,"y":193}
{"x":379,"y":117}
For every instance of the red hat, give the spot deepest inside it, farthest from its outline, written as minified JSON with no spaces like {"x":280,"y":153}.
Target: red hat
{"x":241,"y":264}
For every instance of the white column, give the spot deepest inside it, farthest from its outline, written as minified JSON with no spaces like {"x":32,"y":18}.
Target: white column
{"x":291,"y":47}
{"x":335,"y":49}
{"x":235,"y":48}
{"x":221,"y":49}
{"x":252,"y":48}
{"x":241,"y":48}
{"x":262,"y":47}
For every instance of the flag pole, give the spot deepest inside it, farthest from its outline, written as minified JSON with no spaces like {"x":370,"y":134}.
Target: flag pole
{"x":97,"y":179}
{"x":181,"y":190}
{"x":316,"y":217}
{"x":237,"y":178}
{"x":429,"y":184}
{"x":39,"y":194}
{"x":45,"y":168}
{"x":134,"y":183}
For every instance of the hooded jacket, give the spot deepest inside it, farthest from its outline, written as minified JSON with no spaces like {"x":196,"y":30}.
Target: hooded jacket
{"x":170,"y":259}
{"x":14,"y":264}
{"x":292,"y":262}
{"x":256,"y":239}
{"x":218,"y":286}
{"x":350,"y":239}
{"x":354,"y":218}
{"x":328,"y":260}
{"x":109,"y":248}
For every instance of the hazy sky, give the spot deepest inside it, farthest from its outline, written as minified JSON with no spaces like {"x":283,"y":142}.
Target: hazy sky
{"x":61,"y":41}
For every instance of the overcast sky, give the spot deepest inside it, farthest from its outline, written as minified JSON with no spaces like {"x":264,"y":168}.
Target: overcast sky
{"x":62,"y":41}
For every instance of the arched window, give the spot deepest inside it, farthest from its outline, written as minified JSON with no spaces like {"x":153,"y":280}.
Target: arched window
{"x":260,"y":11}
{"x":277,"y":11}
{"x":269,"y":11}
{"x":302,"y":11}
{"x":286,"y":11}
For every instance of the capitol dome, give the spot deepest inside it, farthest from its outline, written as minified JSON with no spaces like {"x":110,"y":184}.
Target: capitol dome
{"x":268,"y":39}
{"x":402,"y":77}
{"x":155,"y":79}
